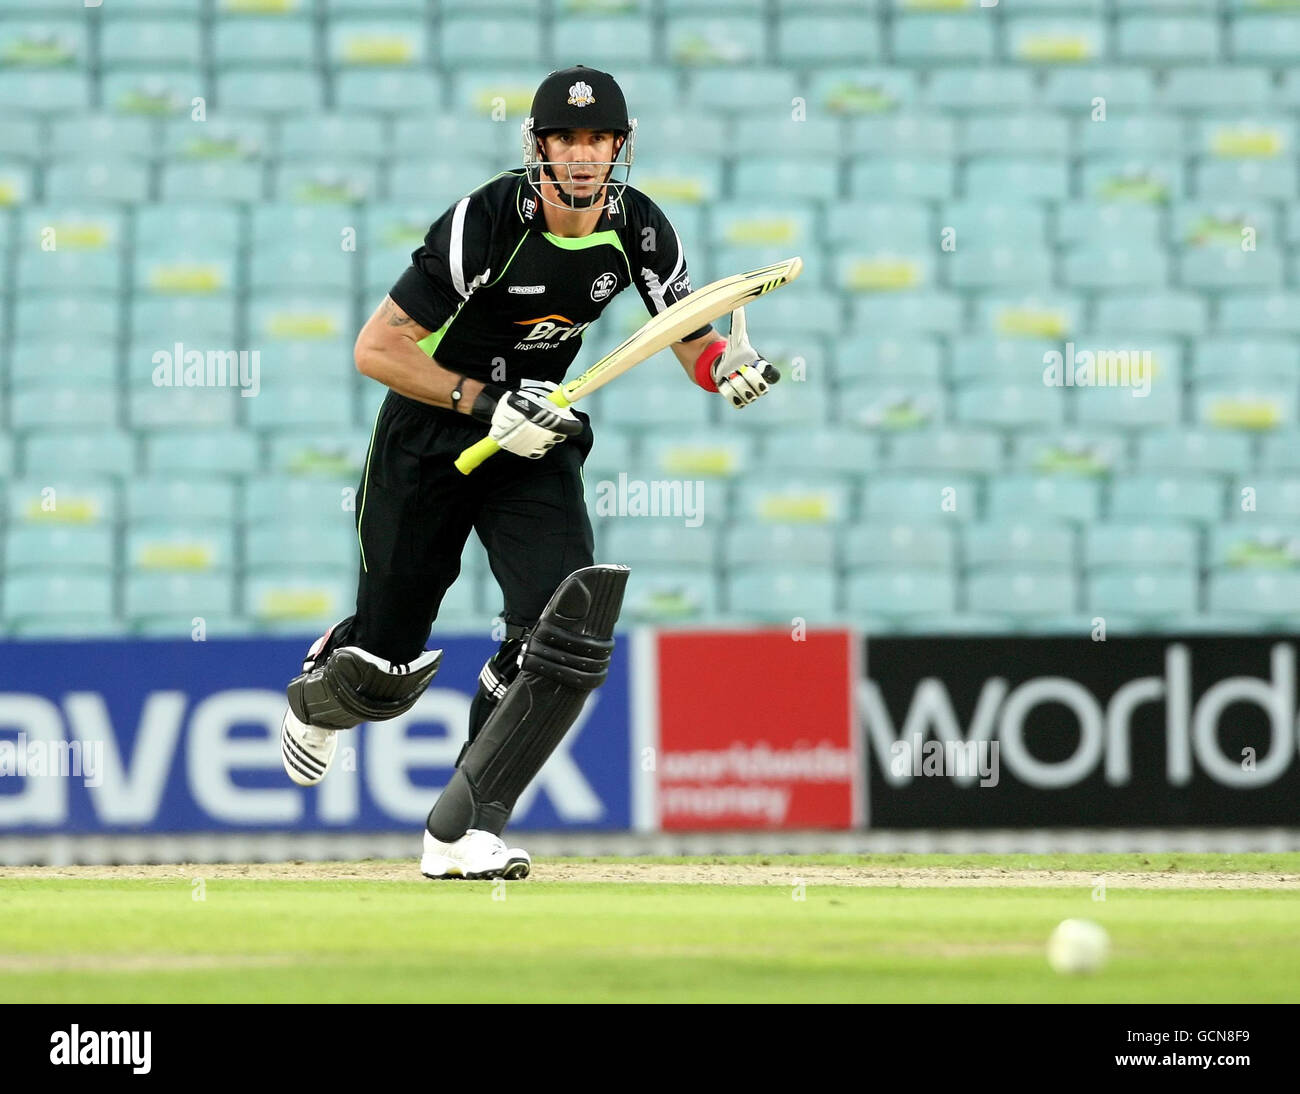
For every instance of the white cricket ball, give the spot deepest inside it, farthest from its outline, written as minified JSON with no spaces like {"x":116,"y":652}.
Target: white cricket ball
{"x":1078,"y":946}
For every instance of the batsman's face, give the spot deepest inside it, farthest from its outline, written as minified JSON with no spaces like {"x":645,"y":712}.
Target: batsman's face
{"x":584,"y":151}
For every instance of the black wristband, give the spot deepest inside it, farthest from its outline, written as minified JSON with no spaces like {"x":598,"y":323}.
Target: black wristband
{"x":457,"y":394}
{"x":486,"y":402}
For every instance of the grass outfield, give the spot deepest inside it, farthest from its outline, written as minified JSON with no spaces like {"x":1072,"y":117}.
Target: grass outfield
{"x":879,"y":928}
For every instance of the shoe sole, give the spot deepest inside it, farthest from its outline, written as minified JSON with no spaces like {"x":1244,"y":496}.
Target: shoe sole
{"x":515,"y":870}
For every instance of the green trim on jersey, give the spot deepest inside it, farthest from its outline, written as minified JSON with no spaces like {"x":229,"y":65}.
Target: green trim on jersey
{"x":581,"y":243}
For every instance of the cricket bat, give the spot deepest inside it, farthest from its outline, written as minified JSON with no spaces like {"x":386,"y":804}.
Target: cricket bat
{"x":702,"y":306}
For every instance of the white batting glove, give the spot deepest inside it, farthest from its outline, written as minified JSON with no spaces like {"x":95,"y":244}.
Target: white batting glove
{"x":528,"y":424}
{"x":740,"y":373}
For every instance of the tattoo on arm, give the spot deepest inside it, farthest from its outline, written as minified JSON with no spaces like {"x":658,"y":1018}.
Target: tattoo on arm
{"x":395,"y":318}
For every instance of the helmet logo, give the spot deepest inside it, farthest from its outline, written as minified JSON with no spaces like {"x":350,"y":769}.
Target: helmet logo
{"x":580,"y":94}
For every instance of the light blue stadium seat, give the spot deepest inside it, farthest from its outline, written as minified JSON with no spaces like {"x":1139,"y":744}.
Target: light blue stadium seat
{"x":371,"y":42}
{"x":892,"y":405}
{"x":1214,"y":224}
{"x":477,"y":93}
{"x":8,"y":462}
{"x":28,"y":596}
{"x":1044,"y":497}
{"x":467,"y":40}
{"x":20,"y":137}
{"x":281,"y":406}
{"x":420,"y":138}
{"x":692,"y":454}
{"x":1116,"y":267}
{"x":167,"y":319}
{"x":1265,"y":38}
{"x":178,"y":595}
{"x":301,"y":266}
{"x":1017,"y":592}
{"x":204,"y":452}
{"x":68,"y":453}
{"x":49,"y":271}
{"x":748,"y":89}
{"x":932,"y":496}
{"x":1219,"y":88}
{"x":201,"y":225}
{"x":436,"y":181}
{"x":1147,"y":178}
{"x":303,"y":545}
{"x":1277,"y":498}
{"x":950,"y":449}
{"x":58,"y":548}
{"x":1009,"y":405}
{"x":1167,"y":39}
{"x":1123,"y":405}
{"x":899,"y":591}
{"x":91,"y":315}
{"x":805,"y":139}
{"x":942,"y":39}
{"x":179,"y":500}
{"x":1288,"y":94}
{"x":982,"y":358}
{"x":97,"y":180}
{"x":275,"y":91}
{"x":346,"y":136}
{"x":1056,"y":38}
{"x":181,"y":268}
{"x":921,"y":134}
{"x":1194,"y":450}
{"x":900,"y":544}
{"x":313,"y":452}
{"x":641,"y":405}
{"x":1087,"y":452}
{"x":1280,"y":451}
{"x":1017,"y":177}
{"x":274,"y":499}
{"x":884,"y":224}
{"x":782,"y":594}
{"x":44,"y":92}
{"x":303,"y":362}
{"x":886,"y":359}
{"x":220,"y":180}
{"x":17,"y":181}
{"x":808,"y":404}
{"x":143,"y":9}
{"x":762,"y":176}
{"x":1219,"y":268}
{"x":825,"y":449}
{"x":1028,"y":544}
{"x":1140,"y":543}
{"x":670,"y":594}
{"x":827,"y":39}
{"x":1139,"y":135}
{"x":326,"y":181}
{"x":334,"y":8}
{"x":173,"y":407}
{"x":1153,"y":312}
{"x":1263,"y":595}
{"x":102,"y":136}
{"x":383,"y":267}
{"x":36,"y":360}
{"x":661,"y":542}
{"x":84,"y":228}
{"x":914,"y":312}
{"x":1001,"y":267}
{"x":1170,"y":497}
{"x":1109,"y":224}
{"x":703,"y":40}
{"x":1145,"y":592}
{"x":239,"y":42}
{"x":161,"y":91}
{"x":182,"y":546}
{"x":863,"y":90}
{"x":1250,"y":545}
{"x":80,"y":500}
{"x":150,"y":42}
{"x":1025,"y":134}
{"x":1231,"y":180}
{"x":1259,"y":313}
{"x":1258,"y":136}
{"x":980,"y":88}
{"x":613,"y":452}
{"x":758,"y":544}
{"x":34,"y":44}
{"x":322,"y":315}
{"x":617,"y":40}
{"x":1123,"y":89}
{"x":983,"y":224}
{"x":390,"y":90}
{"x":787,"y":499}
{"x":901,"y":178}
{"x":62,"y":405}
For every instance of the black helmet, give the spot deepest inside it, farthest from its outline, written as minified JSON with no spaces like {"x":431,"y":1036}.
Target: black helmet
{"x":577,"y":98}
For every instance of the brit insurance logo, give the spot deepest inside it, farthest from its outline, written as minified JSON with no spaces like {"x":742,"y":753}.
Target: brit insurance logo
{"x":603,"y":286}
{"x":580,"y":95}
{"x":548,"y":331}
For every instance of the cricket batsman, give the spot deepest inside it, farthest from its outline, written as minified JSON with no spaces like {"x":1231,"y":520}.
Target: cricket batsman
{"x":470,"y":340}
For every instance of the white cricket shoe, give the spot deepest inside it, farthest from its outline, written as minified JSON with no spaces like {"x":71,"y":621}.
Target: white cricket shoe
{"x":307,"y":751}
{"x":477,"y":854}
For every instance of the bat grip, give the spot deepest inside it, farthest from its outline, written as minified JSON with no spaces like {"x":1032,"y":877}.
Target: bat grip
{"x":476,"y":453}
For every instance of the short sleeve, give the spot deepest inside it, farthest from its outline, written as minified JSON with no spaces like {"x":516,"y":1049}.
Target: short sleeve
{"x":448,"y":266}
{"x":660,"y":272}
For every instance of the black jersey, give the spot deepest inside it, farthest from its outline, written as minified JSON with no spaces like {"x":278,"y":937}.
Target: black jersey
{"x":506,"y":299}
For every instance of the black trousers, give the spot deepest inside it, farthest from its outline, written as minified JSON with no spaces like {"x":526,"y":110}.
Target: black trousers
{"x":415,"y":512}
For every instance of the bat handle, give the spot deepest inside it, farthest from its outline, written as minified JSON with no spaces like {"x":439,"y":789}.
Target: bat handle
{"x":771,"y":375}
{"x":476,"y":453}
